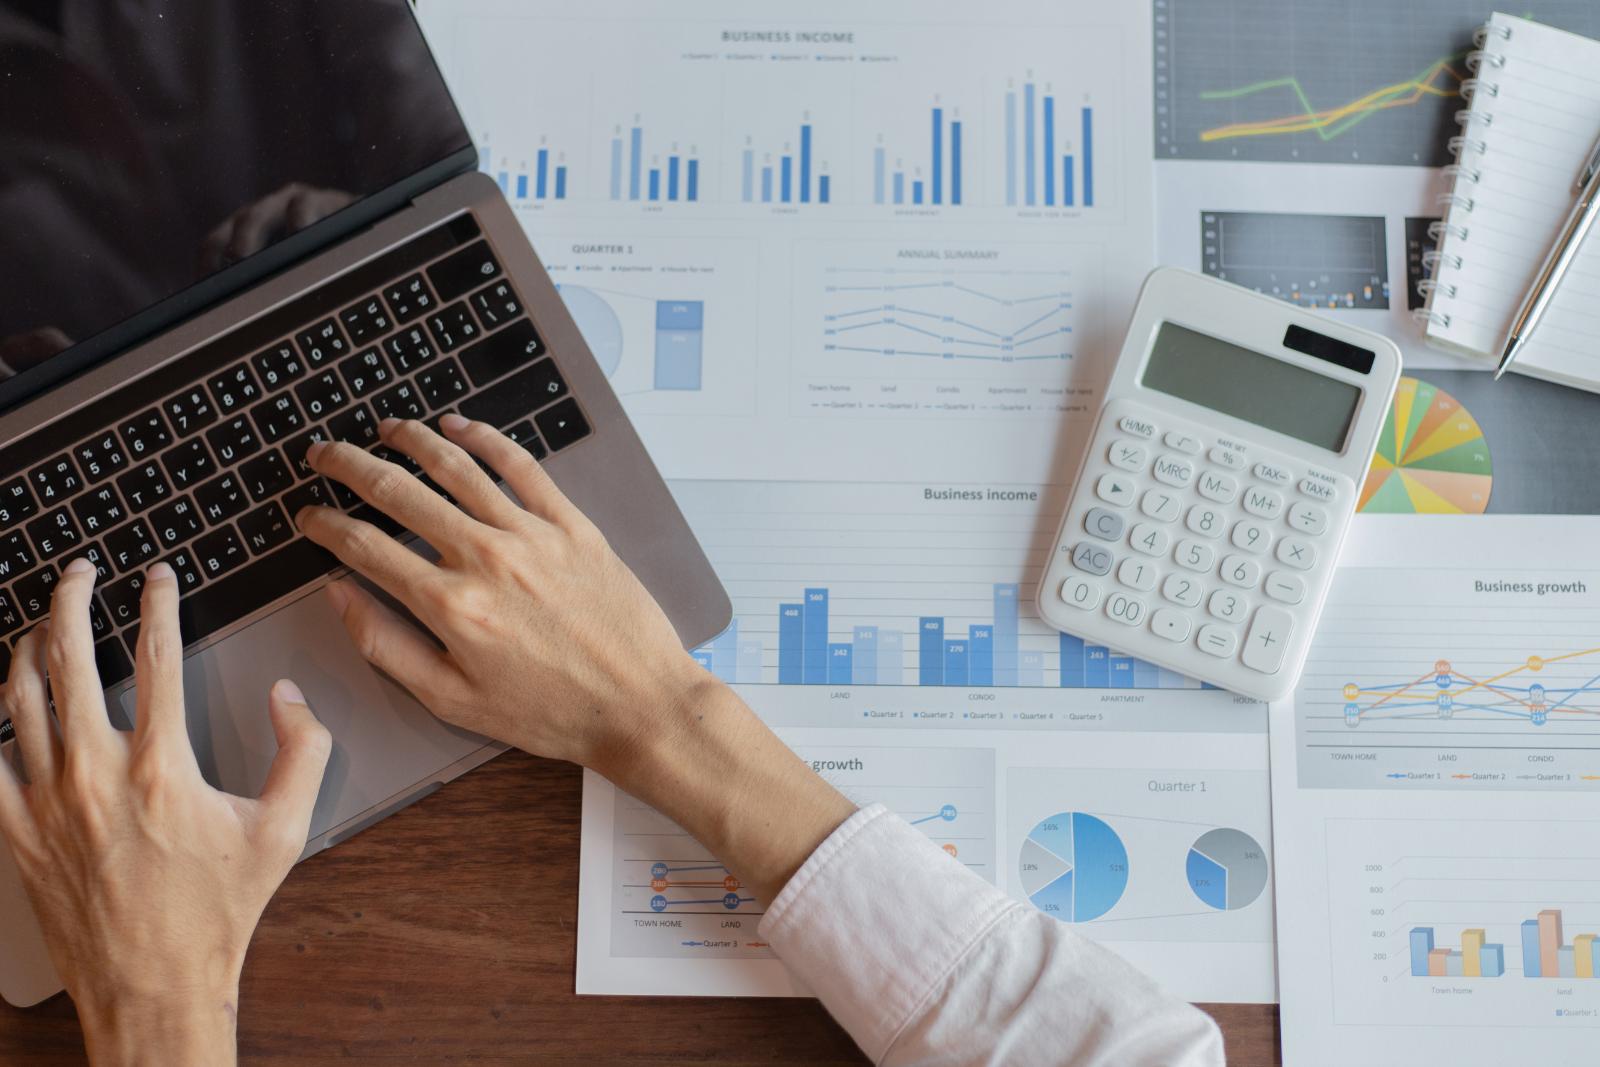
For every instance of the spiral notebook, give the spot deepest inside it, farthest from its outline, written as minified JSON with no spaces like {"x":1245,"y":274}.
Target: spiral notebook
{"x":1534,"y":114}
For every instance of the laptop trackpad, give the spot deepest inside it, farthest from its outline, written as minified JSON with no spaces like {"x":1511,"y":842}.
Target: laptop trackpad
{"x":383,"y":741}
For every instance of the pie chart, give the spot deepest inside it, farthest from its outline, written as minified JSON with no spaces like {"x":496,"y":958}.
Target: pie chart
{"x":1432,"y":457}
{"x":1074,"y":867}
{"x":1226,"y":869}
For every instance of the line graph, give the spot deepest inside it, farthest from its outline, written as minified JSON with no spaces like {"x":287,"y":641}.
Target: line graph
{"x":948,"y":319}
{"x":1444,"y":692}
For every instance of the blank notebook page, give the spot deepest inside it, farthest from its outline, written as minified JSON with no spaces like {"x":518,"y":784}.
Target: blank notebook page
{"x":1535,"y":117}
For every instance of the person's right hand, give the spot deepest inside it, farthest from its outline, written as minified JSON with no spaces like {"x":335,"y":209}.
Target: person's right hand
{"x":550,"y":642}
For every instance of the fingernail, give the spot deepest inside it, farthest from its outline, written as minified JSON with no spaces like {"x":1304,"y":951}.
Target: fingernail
{"x":79,"y":565}
{"x":453,"y":421}
{"x":338,"y":595}
{"x":315,"y":450}
{"x":387,"y":424}
{"x":159,"y":572}
{"x":288,"y":692}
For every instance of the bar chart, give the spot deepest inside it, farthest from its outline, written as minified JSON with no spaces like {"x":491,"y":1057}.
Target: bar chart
{"x":545,"y":179}
{"x":640,"y":170}
{"x":1050,"y":148}
{"x":797,"y":173}
{"x":931,"y":173}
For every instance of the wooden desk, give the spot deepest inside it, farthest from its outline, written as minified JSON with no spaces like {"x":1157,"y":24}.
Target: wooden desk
{"x":448,"y":933}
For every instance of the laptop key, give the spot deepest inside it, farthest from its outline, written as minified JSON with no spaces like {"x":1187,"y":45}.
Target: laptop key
{"x":322,"y":395}
{"x":54,"y":533}
{"x":277,"y":417}
{"x":144,"y":486}
{"x":235,"y":389}
{"x":279,"y":365}
{"x":99,"y":624}
{"x":16,"y":502}
{"x":401,"y":402}
{"x":462,"y":271}
{"x":190,"y":411}
{"x":100,"y":457}
{"x":113,"y":662}
{"x":131,"y":546}
{"x":188,"y":464}
{"x":296,"y":449}
{"x":266,"y":528}
{"x":177,"y":521}
{"x":321,"y":343}
{"x":234,"y":440}
{"x":453,"y":327}
{"x":145,"y":434}
{"x":219,"y":552}
{"x":221,"y":498}
{"x":357,"y":425}
{"x":562,"y":424}
{"x":501,"y":353}
{"x":514,"y":398}
{"x":496,"y":304}
{"x":187,"y":570}
{"x":11,"y":619}
{"x":366,"y":371}
{"x":33,"y":592}
{"x":16,"y":555}
{"x":409,"y":349}
{"x":366,"y":320}
{"x":99,"y":510}
{"x":102,"y":563}
{"x":121,"y":598}
{"x":312,"y":494}
{"x":408,"y":298}
{"x":442,"y":384}
{"x":55,"y":480}
{"x":266,"y":476}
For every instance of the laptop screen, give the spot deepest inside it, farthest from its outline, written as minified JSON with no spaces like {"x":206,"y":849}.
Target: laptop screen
{"x":148,"y":146}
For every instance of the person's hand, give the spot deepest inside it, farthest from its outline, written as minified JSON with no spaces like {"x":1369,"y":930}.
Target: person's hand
{"x":542,"y":638}
{"x":275,"y":216}
{"x":148,"y":882}
{"x":550,"y":642}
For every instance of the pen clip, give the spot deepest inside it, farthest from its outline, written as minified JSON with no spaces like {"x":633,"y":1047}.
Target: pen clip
{"x":1590,"y":166}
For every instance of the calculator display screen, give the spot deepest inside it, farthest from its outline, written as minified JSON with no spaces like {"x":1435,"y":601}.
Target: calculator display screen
{"x":1251,"y":386}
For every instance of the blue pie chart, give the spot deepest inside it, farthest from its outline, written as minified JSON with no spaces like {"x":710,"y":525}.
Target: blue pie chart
{"x":1073,"y":866}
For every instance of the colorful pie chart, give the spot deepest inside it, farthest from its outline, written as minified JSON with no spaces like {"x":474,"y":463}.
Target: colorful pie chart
{"x":1073,"y":866}
{"x":1432,"y":457}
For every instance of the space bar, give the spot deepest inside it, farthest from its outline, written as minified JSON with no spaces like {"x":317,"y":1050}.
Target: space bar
{"x":233,"y":596}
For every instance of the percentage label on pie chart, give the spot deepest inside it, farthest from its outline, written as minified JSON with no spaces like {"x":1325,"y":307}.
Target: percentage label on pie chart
{"x":1227,"y":869}
{"x":1073,"y":866}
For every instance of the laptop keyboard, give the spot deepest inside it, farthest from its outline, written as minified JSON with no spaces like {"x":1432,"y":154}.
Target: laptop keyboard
{"x":201,"y":463}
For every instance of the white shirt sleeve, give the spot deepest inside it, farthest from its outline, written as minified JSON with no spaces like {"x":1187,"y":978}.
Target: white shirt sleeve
{"x":925,"y":963}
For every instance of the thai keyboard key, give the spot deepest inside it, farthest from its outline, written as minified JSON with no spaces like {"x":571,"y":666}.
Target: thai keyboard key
{"x":501,"y":353}
{"x":356,"y":425}
{"x":365,"y":371}
{"x":191,"y":411}
{"x":453,"y":327}
{"x":496,"y":304}
{"x":177,"y":521}
{"x":235,"y":389}
{"x":33,"y":592}
{"x":401,"y":402}
{"x":266,"y":528}
{"x":442,"y":385}
{"x":312,"y":494}
{"x":219,"y":552}
{"x":144,"y":487}
{"x":463,"y":271}
{"x":222,"y":498}
{"x":279,"y":365}
{"x":277,"y":417}
{"x":409,"y":349}
{"x":96,"y":555}
{"x":145,"y":435}
{"x":131,"y":546}
{"x":55,"y":480}
{"x":234,"y":440}
{"x":184,"y":566}
{"x":562,"y":424}
{"x":322,"y":342}
{"x":121,"y":598}
{"x":266,"y":476}
{"x":11,"y":619}
{"x":296,"y":449}
{"x":98,"y":510}
{"x":53,"y":533}
{"x":366,"y":321}
{"x":188,"y":464}
{"x":514,"y":398}
{"x":16,"y":555}
{"x":322,"y":395}
{"x":524,"y":434}
{"x":100,"y":457}
{"x":16,"y":502}
{"x":408,"y":298}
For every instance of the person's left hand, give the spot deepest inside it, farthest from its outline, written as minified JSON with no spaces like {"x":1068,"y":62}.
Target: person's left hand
{"x":148,"y":882}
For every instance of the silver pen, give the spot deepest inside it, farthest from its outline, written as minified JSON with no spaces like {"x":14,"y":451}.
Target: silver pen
{"x":1556,"y":261}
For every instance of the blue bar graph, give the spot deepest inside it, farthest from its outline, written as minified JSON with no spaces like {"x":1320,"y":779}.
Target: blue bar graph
{"x":522,"y":187}
{"x":801,"y":176}
{"x":1011,"y":149}
{"x":955,"y":163}
{"x":1049,"y":151}
{"x":1088,"y":157}
{"x":1121,"y":672}
{"x":786,"y":179}
{"x":635,"y":161}
{"x":672,"y":178}
{"x":1421,"y":945}
{"x":864,"y":654}
{"x":1096,"y":667}
{"x":822,"y":189}
{"x":839,"y":670}
{"x":616,"y":168}
{"x":504,"y":179}
{"x":747,"y":174}
{"x":899,"y":188}
{"x":521,"y":184}
{"x":542,"y":174}
{"x":815,"y":617}
{"x":980,"y":655}
{"x":916,"y":192}
{"x":791,"y":644}
{"x":1074,"y":663}
{"x":561,"y":182}
{"x":937,"y":172}
{"x":805,"y":163}
{"x":930,"y":651}
{"x":694,"y":180}
{"x":655,"y":183}
{"x":680,"y":344}
{"x":1005,"y":635}
{"x":1044,"y":145}
{"x":955,"y":663}
{"x":766,"y":185}
{"x":1530,"y":950}
{"x":942,"y":184}
{"x":877,"y":175}
{"x":682,"y":171}
{"x":1028,"y":174}
{"x":1066,"y":181}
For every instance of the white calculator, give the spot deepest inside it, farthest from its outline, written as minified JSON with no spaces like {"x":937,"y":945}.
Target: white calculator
{"x":1214,"y":496}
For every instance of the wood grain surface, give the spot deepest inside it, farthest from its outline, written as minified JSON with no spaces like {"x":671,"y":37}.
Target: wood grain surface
{"x":447,"y":934}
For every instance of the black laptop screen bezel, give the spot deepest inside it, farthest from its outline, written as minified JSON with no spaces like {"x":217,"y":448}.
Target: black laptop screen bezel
{"x":230,"y":281}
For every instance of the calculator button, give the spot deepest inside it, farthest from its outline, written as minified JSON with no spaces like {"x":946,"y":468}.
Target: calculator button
{"x":1080,"y":593}
{"x":1216,"y":641}
{"x":1263,"y":502}
{"x":1137,"y":574}
{"x":1128,"y":610}
{"x":1115,"y":489}
{"x":1241,"y":571}
{"x":1285,"y":587}
{"x":1226,"y":457}
{"x":1173,"y":470}
{"x":1221,"y":488}
{"x":1173,"y":625}
{"x":1181,"y":589}
{"x":1296,"y":553}
{"x":1129,"y":455}
{"x":1104,"y":524}
{"x":1194,"y":556}
{"x":1275,"y":473}
{"x":1227,"y":605}
{"x":1092,"y":559}
{"x":1307,"y":518}
{"x":1207,"y":522}
{"x":1151,"y":540}
{"x":1182,"y":442}
{"x":1318,"y":490}
{"x":1267,"y":640}
{"x":1160,"y":505}
{"x":1137,"y":427}
{"x":1251,"y":536}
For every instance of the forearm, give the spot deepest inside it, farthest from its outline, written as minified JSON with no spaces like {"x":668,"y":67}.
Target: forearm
{"x":196,"y":1029}
{"x":714,"y":768}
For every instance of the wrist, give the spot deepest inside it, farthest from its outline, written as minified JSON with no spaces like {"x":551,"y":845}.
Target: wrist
{"x":180,"y":1026}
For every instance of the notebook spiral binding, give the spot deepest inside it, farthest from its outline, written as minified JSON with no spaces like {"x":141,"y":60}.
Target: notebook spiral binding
{"x":1465,"y":172}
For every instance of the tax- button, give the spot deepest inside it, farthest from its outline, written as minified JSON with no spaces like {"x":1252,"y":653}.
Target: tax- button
{"x":1104,"y":524}
{"x":1262,"y":502}
{"x":1174,"y":470}
{"x":1267,"y":640}
{"x":1307,"y":518}
{"x":1272,"y":472}
{"x":1115,"y":489}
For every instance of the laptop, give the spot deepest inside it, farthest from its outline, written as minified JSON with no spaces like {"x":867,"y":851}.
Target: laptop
{"x":229,"y":228}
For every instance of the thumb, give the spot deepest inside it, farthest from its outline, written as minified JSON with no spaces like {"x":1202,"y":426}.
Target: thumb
{"x":304,"y":744}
